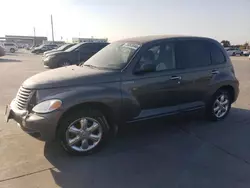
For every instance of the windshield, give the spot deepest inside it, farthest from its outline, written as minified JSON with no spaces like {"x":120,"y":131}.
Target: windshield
{"x":73,"y":47}
{"x":115,"y":56}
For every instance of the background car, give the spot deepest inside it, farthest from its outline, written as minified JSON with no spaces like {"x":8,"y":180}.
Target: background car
{"x":43,"y":48}
{"x":61,"y":48}
{"x":234,"y":51}
{"x":246,"y":52}
{"x":10,"y":47}
{"x":73,"y":56}
{"x":2,"y":51}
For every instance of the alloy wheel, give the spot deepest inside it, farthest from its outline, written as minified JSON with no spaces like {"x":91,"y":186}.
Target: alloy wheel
{"x":84,"y":134}
{"x":65,"y":63}
{"x":221,"y":106}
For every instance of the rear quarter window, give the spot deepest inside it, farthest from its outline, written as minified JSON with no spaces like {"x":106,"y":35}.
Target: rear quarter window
{"x":217,"y":55}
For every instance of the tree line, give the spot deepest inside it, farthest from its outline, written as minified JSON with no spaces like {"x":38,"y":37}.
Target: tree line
{"x":227,"y":43}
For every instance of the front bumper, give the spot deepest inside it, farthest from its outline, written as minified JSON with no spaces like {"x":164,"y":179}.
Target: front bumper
{"x":40,"y":126}
{"x":48,"y":63}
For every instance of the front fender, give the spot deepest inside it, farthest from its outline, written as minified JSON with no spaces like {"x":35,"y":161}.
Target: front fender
{"x":107,"y":94}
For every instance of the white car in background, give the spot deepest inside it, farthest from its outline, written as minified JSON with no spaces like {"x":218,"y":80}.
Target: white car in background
{"x":233,"y":51}
{"x":246,"y":52}
{"x":10,"y":47}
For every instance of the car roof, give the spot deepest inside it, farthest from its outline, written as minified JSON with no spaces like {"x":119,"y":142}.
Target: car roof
{"x":93,"y":43}
{"x":9,"y":43}
{"x":151,"y":38}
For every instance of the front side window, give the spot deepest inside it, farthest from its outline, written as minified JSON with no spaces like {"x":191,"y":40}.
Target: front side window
{"x":91,"y":48}
{"x":159,"y":57}
{"x":114,"y":56}
{"x":192,"y":54}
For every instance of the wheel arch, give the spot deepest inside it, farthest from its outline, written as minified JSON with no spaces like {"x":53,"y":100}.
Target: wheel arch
{"x":103,"y":108}
{"x":230,"y":89}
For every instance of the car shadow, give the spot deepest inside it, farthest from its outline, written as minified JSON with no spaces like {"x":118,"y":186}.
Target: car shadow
{"x":3,"y":60}
{"x":147,"y":154}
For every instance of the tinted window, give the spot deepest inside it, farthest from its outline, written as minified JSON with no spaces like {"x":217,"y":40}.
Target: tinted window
{"x":192,"y":54}
{"x":161,"y":56}
{"x":217,"y":55}
{"x":92,"y":47}
{"x":8,"y":44}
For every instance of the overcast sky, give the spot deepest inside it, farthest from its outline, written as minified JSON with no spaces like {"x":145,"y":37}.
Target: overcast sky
{"x":219,"y":19}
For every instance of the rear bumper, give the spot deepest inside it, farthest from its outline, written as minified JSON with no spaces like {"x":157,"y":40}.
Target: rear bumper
{"x":40,"y":126}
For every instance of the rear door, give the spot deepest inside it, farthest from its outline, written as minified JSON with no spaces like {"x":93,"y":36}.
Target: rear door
{"x":194,"y":61}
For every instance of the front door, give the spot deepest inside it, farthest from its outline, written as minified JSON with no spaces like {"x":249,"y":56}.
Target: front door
{"x":155,"y":83}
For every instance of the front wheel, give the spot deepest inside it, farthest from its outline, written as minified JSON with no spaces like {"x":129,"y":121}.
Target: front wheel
{"x":219,"y":106}
{"x":12,"y":50}
{"x":64,"y":63}
{"x":83,"y":132}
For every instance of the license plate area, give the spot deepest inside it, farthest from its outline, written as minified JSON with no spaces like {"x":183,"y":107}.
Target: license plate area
{"x":7,"y":113}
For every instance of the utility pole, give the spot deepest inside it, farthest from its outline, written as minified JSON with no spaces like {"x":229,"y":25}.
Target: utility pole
{"x":52,"y":29}
{"x":34,"y":41}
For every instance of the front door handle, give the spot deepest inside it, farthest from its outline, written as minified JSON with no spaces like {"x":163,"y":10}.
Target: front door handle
{"x":175,"y":78}
{"x":215,"y":72}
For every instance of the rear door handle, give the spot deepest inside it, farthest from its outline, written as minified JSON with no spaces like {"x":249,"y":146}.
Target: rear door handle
{"x":175,"y":78}
{"x":215,"y":72}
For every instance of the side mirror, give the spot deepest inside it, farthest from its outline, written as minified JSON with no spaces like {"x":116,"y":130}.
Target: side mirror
{"x":146,"y":68}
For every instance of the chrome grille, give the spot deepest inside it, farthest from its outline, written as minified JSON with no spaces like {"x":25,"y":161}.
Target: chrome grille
{"x":22,"y":98}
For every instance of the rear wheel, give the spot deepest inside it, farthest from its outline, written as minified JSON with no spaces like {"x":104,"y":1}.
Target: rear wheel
{"x":83,"y":132}
{"x":12,"y":50}
{"x":219,"y":106}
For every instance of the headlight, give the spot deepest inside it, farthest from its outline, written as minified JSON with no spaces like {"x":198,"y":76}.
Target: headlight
{"x":48,"y":58}
{"x":47,"y":106}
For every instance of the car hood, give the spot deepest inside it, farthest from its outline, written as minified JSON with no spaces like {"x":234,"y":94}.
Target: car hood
{"x":70,"y":76}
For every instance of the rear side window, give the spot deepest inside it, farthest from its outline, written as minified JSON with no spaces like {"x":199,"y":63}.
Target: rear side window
{"x":192,"y":54}
{"x":217,"y":55}
{"x":8,"y":44}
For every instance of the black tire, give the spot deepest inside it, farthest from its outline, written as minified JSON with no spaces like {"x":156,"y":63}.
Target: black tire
{"x":234,"y":54}
{"x":210,"y":108}
{"x":12,"y":50}
{"x":67,"y":121}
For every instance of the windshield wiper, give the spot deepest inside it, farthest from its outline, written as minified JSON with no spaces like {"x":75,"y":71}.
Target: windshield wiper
{"x":91,"y":66}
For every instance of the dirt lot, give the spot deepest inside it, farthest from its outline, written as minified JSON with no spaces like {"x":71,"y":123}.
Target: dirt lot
{"x":187,"y":153}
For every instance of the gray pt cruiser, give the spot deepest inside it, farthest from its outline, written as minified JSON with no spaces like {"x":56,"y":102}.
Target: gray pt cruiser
{"x":127,"y":81}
